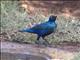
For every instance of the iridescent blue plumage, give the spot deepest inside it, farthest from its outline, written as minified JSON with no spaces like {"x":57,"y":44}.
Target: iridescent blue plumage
{"x":43,"y":29}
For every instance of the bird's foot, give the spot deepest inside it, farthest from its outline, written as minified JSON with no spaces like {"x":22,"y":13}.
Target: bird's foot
{"x":42,"y":43}
{"x":37,"y":42}
{"x":46,"y":43}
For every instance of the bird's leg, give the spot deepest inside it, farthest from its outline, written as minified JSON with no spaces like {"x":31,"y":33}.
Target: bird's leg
{"x":38,"y":38}
{"x":46,"y":42}
{"x":37,"y":42}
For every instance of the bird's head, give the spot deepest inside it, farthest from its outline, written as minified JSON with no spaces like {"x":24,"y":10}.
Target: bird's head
{"x":52,"y":18}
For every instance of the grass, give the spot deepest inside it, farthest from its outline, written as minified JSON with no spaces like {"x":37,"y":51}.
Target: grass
{"x":14,"y":17}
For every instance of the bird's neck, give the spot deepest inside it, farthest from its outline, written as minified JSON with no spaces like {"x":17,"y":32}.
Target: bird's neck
{"x":51,"y":21}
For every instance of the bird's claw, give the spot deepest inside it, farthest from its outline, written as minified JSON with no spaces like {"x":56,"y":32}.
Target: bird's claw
{"x":36,"y":42}
{"x":46,"y":43}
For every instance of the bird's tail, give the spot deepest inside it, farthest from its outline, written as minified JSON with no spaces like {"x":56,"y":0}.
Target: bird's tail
{"x":25,"y":30}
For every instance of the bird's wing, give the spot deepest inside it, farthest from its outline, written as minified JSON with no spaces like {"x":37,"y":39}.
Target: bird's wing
{"x":43,"y":29}
{"x":43,"y":26}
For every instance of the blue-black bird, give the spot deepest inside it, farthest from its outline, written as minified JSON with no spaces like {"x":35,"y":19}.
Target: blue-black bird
{"x":43,"y":29}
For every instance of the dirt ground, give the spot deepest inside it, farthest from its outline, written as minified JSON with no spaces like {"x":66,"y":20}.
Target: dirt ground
{"x":66,"y":8}
{"x":61,"y":52}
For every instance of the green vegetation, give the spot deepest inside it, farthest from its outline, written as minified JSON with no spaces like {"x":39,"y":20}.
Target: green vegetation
{"x":14,"y":17}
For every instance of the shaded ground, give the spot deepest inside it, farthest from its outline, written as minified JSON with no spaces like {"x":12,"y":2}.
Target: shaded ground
{"x":62,"y":52}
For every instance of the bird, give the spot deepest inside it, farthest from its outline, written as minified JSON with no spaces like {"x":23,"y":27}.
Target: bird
{"x":44,"y":29}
